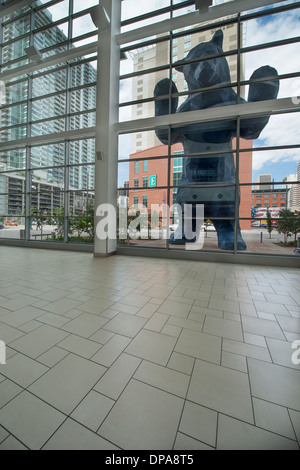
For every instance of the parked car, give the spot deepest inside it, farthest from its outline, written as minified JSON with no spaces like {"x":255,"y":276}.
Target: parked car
{"x":11,"y":223}
{"x":1,"y":225}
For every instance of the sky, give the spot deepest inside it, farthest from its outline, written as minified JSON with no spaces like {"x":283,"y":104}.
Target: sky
{"x":281,"y":130}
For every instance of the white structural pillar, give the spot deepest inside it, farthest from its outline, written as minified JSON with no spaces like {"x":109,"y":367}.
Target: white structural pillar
{"x":108,"y":17}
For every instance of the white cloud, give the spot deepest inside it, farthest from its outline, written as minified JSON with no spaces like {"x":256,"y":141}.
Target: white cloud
{"x":282,"y":129}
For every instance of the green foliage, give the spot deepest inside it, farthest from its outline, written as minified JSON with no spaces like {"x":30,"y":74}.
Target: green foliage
{"x":288,"y":223}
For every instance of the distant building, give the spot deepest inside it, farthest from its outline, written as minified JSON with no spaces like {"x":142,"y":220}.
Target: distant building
{"x":292,"y":192}
{"x":261,"y":180}
{"x":269,"y":198}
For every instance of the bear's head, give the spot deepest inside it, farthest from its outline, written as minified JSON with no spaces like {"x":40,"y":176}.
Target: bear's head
{"x":205,"y":72}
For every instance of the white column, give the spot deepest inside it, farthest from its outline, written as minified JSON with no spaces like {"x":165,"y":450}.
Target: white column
{"x":106,"y":168}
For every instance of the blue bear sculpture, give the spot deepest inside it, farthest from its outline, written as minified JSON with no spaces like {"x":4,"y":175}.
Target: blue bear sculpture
{"x":214,"y":138}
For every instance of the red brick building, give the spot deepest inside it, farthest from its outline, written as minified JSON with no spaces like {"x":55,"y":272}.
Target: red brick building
{"x":149,"y":175}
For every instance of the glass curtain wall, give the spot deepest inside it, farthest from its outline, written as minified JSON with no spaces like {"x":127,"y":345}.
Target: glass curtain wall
{"x":46,"y":179}
{"x":244,"y":170}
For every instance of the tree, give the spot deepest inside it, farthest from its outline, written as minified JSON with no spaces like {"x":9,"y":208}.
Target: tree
{"x":270,"y":226}
{"x":288,"y":223}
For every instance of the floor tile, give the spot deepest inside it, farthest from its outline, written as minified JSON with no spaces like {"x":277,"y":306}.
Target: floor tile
{"x":289,"y":324}
{"x":273,"y":418}
{"x":231,"y":396}
{"x":281,"y":353}
{"x":8,"y":391}
{"x":295,"y":418}
{"x":157,"y":322}
{"x":176,"y":309}
{"x":66,"y":384}
{"x":199,"y":345}
{"x":152,"y":346}
{"x":262,"y":327}
{"x":73,"y":436}
{"x":25,"y":408}
{"x":234,"y":361}
{"x":62,"y":306}
{"x":95,"y":307}
{"x":224,"y":328}
{"x":199,"y":423}
{"x":184,"y":442}
{"x":85,"y":325}
{"x":93,"y":409}
{"x":11,"y":443}
{"x":113,"y":382}
{"x":21,"y":316}
{"x":181,"y":363}
{"x":111,"y":350}
{"x":9,"y":334}
{"x":275,"y":383}
{"x":236,"y":435}
{"x":23,"y":370}
{"x":38,"y":341}
{"x":126,"y":325}
{"x":140,"y":404}
{"x":81,"y":346}
{"x":247,"y":350}
{"x":163,"y":378}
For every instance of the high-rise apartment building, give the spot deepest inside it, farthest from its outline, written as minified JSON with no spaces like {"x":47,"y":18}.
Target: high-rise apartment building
{"x":292,"y":191}
{"x":56,"y":106}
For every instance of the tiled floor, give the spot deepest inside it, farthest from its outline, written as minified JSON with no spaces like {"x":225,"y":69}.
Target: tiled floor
{"x":132,"y":353}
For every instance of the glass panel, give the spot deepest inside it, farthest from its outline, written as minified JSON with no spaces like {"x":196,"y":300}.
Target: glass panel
{"x":278,"y":130}
{"x":51,"y":14}
{"x":46,"y":228}
{"x":131,"y":8}
{"x":14,"y":50}
{"x":130,"y":144}
{"x":12,"y":199}
{"x":79,"y":5}
{"x":83,"y":25}
{"x":83,"y":74}
{"x":13,"y":160}
{"x":82,"y":151}
{"x":48,"y":155}
{"x":51,"y":36}
{"x":16,"y":29}
{"x":14,"y":115}
{"x":81,"y":229}
{"x":281,"y":58}
{"x":13,"y":133}
{"x":48,"y":127}
{"x":15,"y":93}
{"x":49,"y":83}
{"x":11,"y":227}
{"x":270,"y":28}
{"x":146,"y":217}
{"x":83,"y":99}
{"x":83,"y":121}
{"x":49,"y":107}
{"x":82,"y":177}
{"x":271,"y":227}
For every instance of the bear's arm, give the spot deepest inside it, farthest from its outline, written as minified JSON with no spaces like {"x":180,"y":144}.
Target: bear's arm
{"x":260,"y":91}
{"x":162,"y":105}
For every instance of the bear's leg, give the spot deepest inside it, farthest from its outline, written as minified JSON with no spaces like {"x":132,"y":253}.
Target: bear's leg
{"x":225,"y":231}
